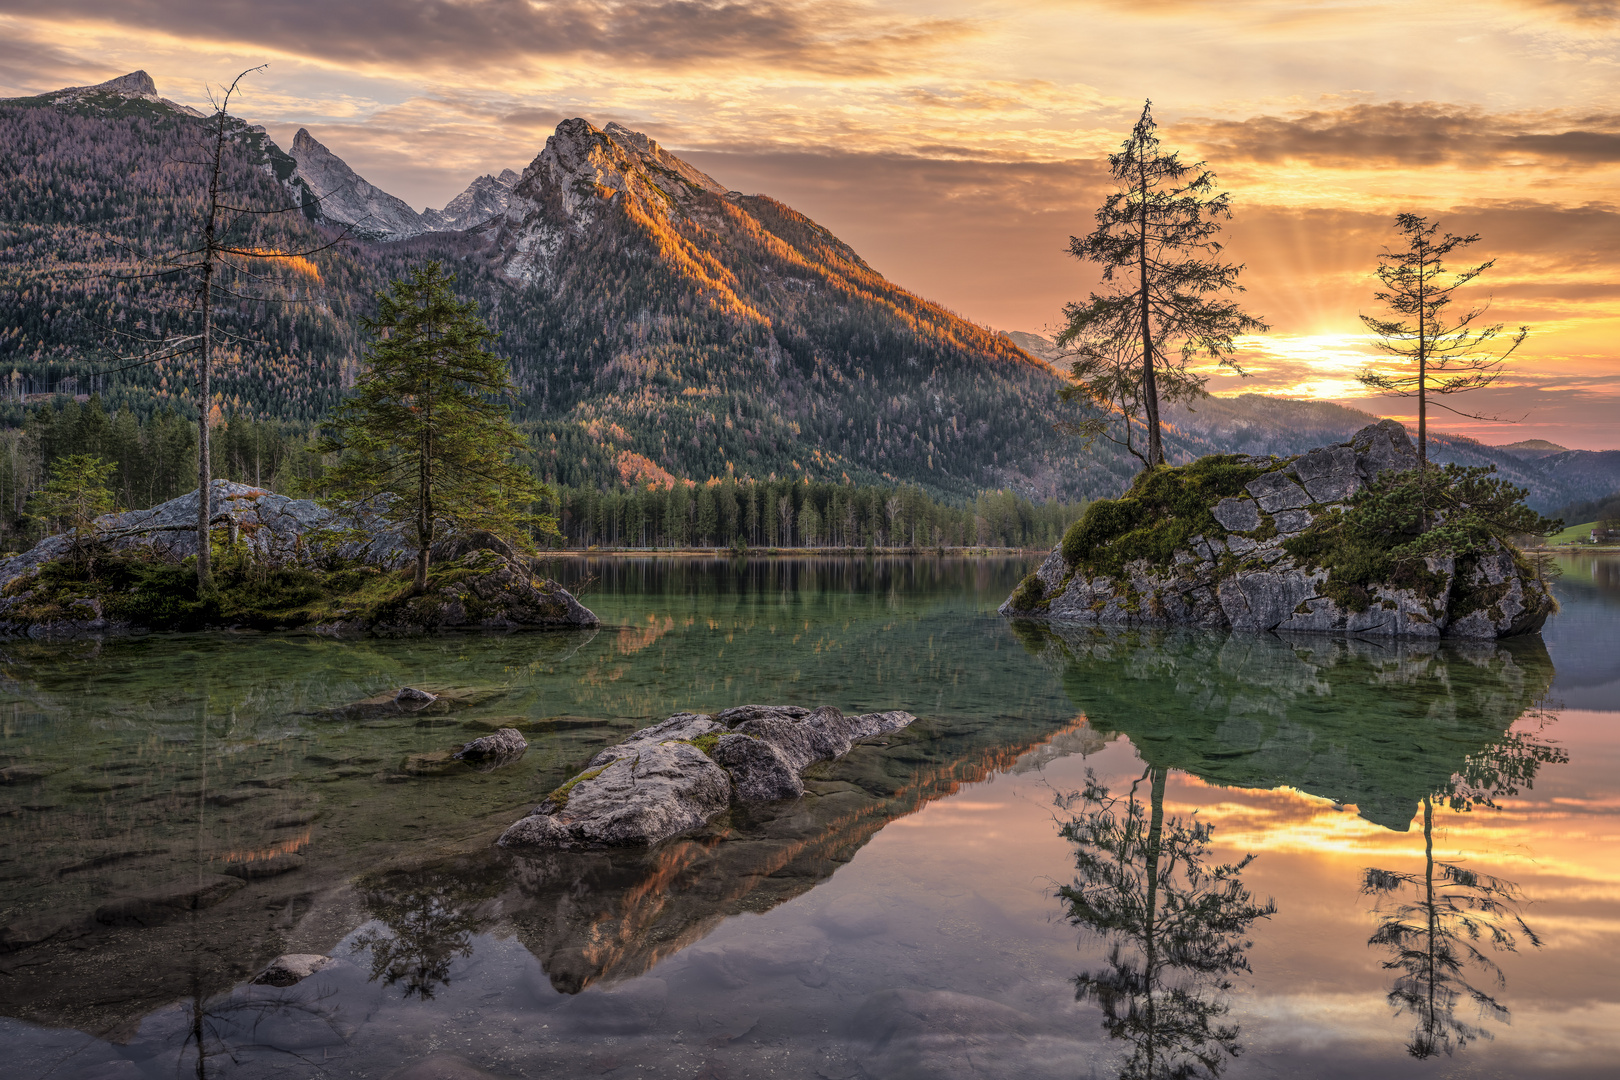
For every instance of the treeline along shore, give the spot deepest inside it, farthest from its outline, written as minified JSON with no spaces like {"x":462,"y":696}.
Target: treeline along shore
{"x":155,"y":459}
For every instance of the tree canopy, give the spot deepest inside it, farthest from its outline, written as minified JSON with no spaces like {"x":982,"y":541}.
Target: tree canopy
{"x":426,"y":437}
{"x":1436,"y":355}
{"x":1156,"y":243}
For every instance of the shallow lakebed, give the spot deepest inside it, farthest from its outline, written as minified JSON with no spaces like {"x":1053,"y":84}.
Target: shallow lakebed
{"x":904,"y":919}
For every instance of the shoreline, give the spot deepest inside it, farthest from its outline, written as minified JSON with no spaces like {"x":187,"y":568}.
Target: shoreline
{"x":791,"y":553}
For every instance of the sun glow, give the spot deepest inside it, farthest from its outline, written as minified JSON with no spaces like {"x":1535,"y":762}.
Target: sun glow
{"x":1315,"y":366}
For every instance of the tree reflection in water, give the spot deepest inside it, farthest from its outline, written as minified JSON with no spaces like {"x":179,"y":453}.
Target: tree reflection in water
{"x":431,"y":917}
{"x":1175,"y":925}
{"x":1437,"y":924}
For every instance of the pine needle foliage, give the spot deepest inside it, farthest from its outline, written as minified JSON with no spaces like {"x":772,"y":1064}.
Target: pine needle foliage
{"x":76,"y":495}
{"x":1156,"y":243}
{"x":1436,"y":355}
{"x":427,"y":437}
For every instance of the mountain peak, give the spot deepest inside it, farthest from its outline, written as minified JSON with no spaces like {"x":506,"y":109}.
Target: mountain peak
{"x":135,"y":86}
{"x":346,"y":196}
{"x":136,"y":82}
{"x":582,"y":170}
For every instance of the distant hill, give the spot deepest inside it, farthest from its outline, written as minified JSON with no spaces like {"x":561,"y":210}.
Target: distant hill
{"x":1531,"y":449}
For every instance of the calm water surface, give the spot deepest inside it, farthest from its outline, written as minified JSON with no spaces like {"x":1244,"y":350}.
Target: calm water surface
{"x":1095,"y":854}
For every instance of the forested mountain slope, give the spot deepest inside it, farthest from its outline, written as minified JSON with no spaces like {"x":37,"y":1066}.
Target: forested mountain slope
{"x":656,"y":323}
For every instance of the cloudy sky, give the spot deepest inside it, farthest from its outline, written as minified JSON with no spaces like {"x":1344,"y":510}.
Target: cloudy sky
{"x":958,"y":144}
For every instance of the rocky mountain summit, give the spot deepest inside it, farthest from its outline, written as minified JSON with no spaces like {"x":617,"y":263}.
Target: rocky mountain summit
{"x":346,"y":197}
{"x":674,"y":776}
{"x":136,"y":86}
{"x":1256,"y":560}
{"x":486,"y":197}
{"x":573,"y":181}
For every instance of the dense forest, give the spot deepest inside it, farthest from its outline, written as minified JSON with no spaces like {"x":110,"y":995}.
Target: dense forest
{"x":156,"y":460}
{"x":787,"y":513}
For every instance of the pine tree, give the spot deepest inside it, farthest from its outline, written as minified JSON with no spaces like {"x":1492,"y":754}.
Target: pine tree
{"x":1436,"y":356}
{"x":426,"y":438}
{"x":1155,"y":241}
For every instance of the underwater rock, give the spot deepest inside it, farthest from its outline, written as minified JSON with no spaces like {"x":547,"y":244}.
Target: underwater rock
{"x":290,"y":968}
{"x":1241,"y":576}
{"x":160,"y":905}
{"x":493,"y":751}
{"x":281,"y":862}
{"x":673,"y":776}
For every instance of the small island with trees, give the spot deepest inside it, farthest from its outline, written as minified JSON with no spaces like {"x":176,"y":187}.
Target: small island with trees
{"x":429,"y":523}
{"x":1365,"y":537}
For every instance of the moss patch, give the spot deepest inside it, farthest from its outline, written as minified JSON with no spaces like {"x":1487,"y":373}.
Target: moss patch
{"x":559,"y":795}
{"x":704,"y":743}
{"x":1161,"y":513}
{"x":1029,"y":595}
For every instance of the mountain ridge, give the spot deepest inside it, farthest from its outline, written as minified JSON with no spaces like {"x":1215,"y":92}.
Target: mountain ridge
{"x":657,"y":322}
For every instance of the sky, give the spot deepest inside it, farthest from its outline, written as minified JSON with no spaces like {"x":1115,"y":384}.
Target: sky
{"x":958,"y":144}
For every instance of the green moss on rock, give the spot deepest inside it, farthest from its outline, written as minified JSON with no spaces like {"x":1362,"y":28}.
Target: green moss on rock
{"x":1161,"y":513}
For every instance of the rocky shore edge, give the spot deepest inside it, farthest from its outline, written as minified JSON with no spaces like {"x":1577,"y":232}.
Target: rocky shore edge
{"x":310,"y":569}
{"x":675,"y":775}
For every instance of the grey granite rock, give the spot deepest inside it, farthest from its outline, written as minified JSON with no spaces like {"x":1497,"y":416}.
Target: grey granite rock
{"x":759,"y":772}
{"x":1237,"y":515}
{"x":1289,"y":522}
{"x":659,"y":782}
{"x":1274,"y":492}
{"x":1330,"y":474}
{"x":1381,"y":446}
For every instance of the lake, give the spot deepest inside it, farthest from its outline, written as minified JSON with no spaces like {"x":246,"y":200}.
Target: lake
{"x":1095,"y":854}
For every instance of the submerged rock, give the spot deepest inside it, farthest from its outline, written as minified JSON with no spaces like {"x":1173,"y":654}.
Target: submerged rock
{"x":163,"y":904}
{"x":1244,"y":575}
{"x":291,"y":968}
{"x":493,"y":751}
{"x":674,"y":776}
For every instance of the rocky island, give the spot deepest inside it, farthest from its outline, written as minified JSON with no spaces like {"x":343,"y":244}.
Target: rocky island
{"x":1330,"y":541}
{"x":285,"y":564}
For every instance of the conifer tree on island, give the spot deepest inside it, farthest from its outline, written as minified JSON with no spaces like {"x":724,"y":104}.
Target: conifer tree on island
{"x":1435,"y":356}
{"x":1155,"y":241}
{"x":427,"y":439}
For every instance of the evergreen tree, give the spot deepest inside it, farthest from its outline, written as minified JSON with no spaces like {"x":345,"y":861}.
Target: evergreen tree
{"x":76,"y":495}
{"x":1155,"y":241}
{"x":426,"y":437}
{"x":1435,"y":355}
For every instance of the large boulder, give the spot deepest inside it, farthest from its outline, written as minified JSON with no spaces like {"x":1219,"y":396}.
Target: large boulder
{"x":674,"y":776}
{"x":1240,"y":573}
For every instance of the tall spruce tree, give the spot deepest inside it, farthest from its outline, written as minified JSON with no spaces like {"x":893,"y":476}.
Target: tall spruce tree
{"x":1155,"y":241}
{"x":427,"y":439}
{"x":1436,"y":355}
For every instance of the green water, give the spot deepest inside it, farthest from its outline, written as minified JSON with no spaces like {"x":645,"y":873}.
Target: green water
{"x":902,"y":920}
